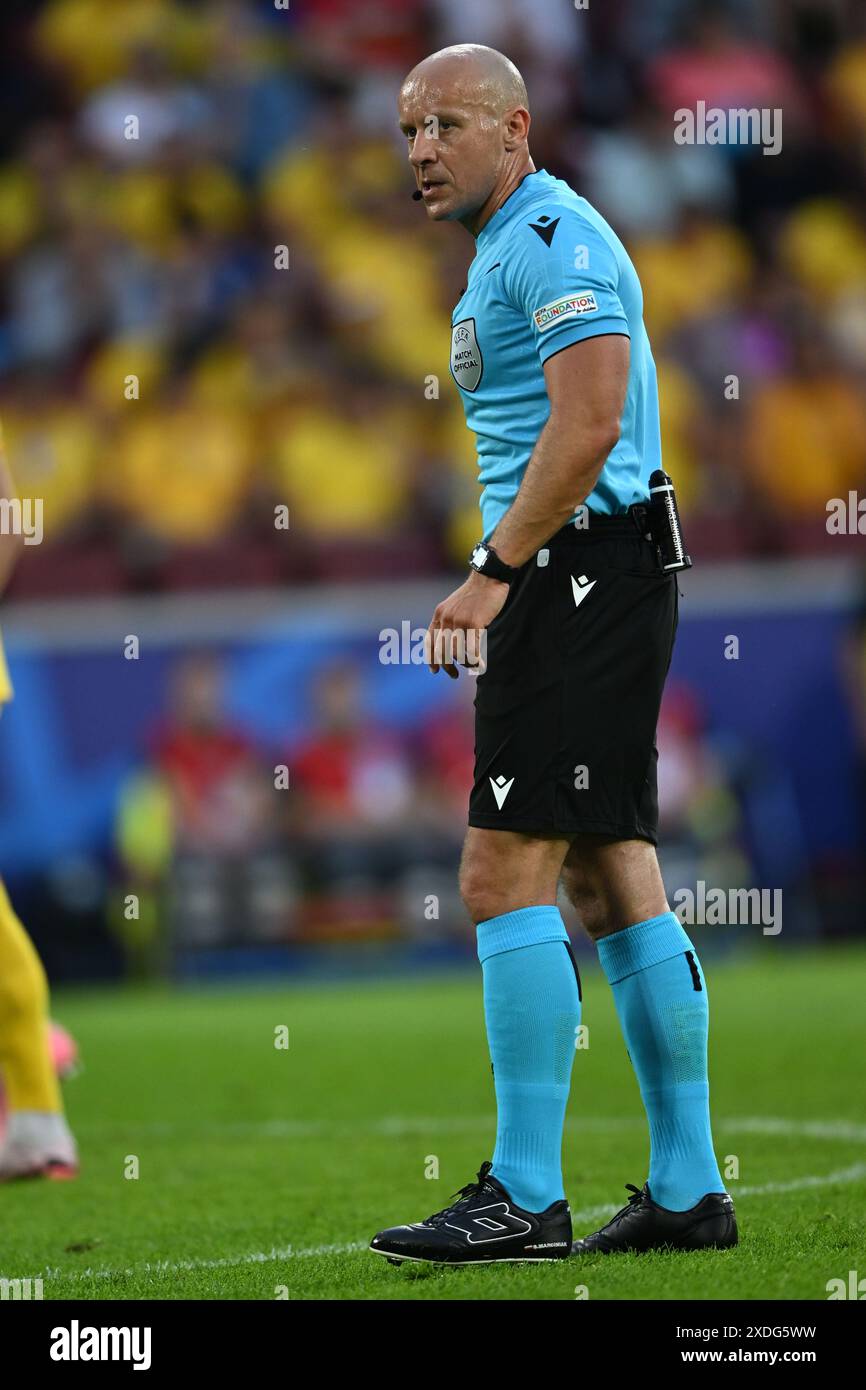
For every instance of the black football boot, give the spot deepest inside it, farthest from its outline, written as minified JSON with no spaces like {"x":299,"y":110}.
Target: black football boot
{"x":484,"y":1226}
{"x":643,"y":1225}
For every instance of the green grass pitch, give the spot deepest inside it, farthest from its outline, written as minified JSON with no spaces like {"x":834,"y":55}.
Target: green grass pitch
{"x":263,"y":1172}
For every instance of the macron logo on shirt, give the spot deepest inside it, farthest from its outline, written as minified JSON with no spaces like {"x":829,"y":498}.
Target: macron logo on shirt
{"x":568,"y":307}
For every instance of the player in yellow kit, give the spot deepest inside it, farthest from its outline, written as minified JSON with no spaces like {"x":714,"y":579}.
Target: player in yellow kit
{"x":37,"y":1141}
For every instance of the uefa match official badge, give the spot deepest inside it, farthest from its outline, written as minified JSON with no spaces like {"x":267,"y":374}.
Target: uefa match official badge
{"x":467,"y":364}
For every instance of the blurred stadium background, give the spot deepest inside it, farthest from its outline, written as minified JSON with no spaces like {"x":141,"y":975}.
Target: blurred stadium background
{"x":323,"y":387}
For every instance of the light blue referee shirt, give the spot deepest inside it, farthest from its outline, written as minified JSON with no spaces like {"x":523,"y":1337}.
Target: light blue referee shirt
{"x":548,"y":272}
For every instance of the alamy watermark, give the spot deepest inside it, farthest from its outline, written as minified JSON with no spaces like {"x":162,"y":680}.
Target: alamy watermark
{"x":415,"y":646}
{"x":846,"y":516}
{"x":737,"y":126}
{"x":20,"y":1289}
{"x":852,"y":1287}
{"x":732,"y":907}
{"x":77,"y":1343}
{"x":22,"y":517}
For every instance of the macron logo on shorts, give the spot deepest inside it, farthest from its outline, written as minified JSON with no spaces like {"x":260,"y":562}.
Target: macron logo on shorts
{"x":501,"y":788}
{"x":581,"y":587}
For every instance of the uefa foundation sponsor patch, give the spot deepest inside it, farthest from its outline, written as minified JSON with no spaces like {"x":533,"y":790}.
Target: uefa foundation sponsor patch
{"x":568,"y":307}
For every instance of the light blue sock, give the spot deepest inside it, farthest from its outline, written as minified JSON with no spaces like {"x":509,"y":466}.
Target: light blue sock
{"x":661,"y":999}
{"x":532,"y":1009}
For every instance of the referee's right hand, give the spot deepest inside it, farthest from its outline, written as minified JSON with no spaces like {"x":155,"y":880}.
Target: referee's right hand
{"x":457,"y":632}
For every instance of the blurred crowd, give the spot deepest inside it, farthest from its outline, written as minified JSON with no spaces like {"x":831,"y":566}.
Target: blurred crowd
{"x":345,"y":833}
{"x":353,"y":831}
{"x":219,"y":301}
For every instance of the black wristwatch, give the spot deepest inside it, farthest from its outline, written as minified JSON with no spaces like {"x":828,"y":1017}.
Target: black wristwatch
{"x":485,"y":560}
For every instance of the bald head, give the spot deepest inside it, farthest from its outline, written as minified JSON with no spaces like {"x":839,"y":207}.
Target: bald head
{"x":481,"y":76}
{"x":465,"y":113}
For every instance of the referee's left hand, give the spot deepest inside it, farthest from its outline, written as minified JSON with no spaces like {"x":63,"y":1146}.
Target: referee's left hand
{"x":457,"y":631}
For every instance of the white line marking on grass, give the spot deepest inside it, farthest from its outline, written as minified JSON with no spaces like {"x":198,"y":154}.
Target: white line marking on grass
{"x":769,"y":1189}
{"x":855,"y":1173}
{"x":390,"y":1126}
{"x":801,"y":1129}
{"x":394,"y":1126}
{"x":256,"y":1257}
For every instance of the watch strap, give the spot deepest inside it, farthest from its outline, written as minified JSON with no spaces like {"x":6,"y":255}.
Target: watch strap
{"x":485,"y":560}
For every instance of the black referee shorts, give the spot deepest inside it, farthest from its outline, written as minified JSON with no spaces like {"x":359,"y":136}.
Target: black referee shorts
{"x":566,"y":710}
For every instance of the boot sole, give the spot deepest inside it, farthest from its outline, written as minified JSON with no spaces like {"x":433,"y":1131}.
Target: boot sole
{"x":466,"y":1264}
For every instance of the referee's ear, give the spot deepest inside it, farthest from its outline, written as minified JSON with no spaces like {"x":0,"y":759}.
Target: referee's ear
{"x":517,"y":123}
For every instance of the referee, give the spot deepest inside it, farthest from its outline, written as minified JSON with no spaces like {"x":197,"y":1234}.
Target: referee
{"x":552,"y":361}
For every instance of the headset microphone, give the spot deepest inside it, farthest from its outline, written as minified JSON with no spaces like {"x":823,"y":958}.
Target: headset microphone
{"x":417,"y":195}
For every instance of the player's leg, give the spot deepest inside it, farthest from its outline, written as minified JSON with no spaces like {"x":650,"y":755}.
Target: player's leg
{"x":37,"y":1141}
{"x":508,"y":882}
{"x":517,"y":1209}
{"x":661,"y":1000}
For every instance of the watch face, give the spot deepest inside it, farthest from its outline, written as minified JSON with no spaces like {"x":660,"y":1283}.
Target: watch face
{"x":479,"y":556}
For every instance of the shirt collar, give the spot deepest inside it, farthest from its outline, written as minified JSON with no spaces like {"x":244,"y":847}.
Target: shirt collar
{"x":529,"y":184}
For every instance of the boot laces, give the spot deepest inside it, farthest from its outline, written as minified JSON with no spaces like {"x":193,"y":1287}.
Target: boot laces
{"x":634,"y":1202}
{"x":464,"y":1196}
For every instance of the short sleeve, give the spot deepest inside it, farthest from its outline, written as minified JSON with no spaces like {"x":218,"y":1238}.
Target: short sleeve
{"x":563,"y":276}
